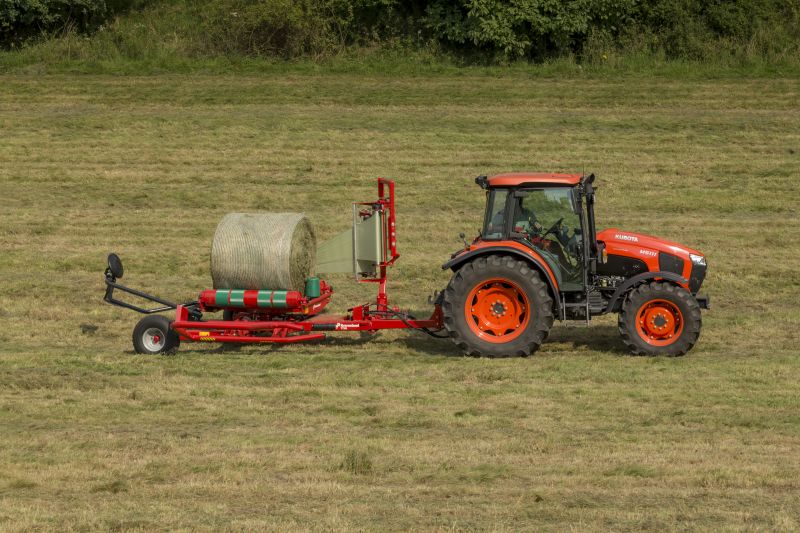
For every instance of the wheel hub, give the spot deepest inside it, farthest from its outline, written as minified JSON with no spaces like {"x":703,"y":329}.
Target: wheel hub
{"x":497,"y":310}
{"x":659,"y":322}
{"x":153,"y":339}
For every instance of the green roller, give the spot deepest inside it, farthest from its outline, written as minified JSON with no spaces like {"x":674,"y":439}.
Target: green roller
{"x":263,"y":298}
{"x":236,"y":298}
{"x":271,"y":299}
{"x":278,"y":298}
{"x":221,"y":298}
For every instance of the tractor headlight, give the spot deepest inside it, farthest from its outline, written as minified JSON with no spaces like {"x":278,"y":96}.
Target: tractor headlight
{"x":698,"y":259}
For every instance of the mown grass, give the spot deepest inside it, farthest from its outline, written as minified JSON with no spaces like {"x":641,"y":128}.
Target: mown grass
{"x":397,"y":431}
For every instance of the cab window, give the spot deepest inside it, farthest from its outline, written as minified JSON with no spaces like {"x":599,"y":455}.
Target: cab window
{"x":495,"y":223}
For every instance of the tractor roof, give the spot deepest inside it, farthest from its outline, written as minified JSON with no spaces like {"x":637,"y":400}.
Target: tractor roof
{"x":515,"y":179}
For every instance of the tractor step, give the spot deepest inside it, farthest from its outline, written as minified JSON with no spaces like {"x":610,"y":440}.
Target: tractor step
{"x":704,"y":301}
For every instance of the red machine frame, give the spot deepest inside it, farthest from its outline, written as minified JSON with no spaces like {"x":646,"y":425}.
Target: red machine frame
{"x":301,"y":321}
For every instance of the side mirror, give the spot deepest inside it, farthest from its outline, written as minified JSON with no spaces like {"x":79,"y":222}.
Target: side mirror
{"x":115,"y":265}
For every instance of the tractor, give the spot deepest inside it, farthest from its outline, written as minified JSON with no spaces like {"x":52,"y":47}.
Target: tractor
{"x":538,"y":257}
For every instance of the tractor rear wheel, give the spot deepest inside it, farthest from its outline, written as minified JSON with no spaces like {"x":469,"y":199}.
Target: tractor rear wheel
{"x":154,"y":334}
{"x":659,"y":318}
{"x":497,"y":306}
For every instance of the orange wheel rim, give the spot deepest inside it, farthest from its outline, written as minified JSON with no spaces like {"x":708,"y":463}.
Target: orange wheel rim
{"x":497,"y":310}
{"x":659,"y":322}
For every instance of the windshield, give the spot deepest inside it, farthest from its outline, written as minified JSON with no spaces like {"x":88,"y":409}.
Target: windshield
{"x":539,"y":210}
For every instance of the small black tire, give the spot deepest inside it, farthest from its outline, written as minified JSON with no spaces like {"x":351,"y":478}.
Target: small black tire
{"x":153,"y":335}
{"x":523,"y":279}
{"x":680,"y":318}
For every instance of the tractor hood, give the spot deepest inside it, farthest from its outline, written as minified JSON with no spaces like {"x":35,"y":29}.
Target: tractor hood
{"x":643,"y":245}
{"x":631,"y":253}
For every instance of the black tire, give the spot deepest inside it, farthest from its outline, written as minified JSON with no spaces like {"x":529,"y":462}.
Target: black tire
{"x":479,"y":271}
{"x":633,"y":333}
{"x":153,"y":335}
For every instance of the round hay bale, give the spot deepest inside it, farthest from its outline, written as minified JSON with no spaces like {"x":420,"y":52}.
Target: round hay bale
{"x":263,"y":251}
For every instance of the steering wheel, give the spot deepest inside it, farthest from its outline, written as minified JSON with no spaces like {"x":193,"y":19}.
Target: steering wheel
{"x":553,"y":227}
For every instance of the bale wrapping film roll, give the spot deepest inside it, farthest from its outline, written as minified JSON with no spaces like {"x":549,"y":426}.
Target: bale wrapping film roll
{"x":262,"y":251}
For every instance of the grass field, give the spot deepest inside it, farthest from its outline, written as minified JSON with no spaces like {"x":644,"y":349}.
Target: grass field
{"x":399,"y":432}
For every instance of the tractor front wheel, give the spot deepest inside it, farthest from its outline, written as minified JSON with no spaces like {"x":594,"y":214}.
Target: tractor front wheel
{"x":497,"y":306}
{"x":659,"y":318}
{"x":153,"y":335}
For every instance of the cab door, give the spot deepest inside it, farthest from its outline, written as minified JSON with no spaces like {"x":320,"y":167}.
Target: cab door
{"x":549,"y":219}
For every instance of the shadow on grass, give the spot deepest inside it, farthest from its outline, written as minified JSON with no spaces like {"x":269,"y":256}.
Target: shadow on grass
{"x":596,"y":338}
{"x":424,"y":343}
{"x":266,"y":348}
{"x":413,"y":341}
{"x":599,"y":338}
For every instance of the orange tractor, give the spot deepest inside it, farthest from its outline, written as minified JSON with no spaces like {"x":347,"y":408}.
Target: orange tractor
{"x":539,"y":257}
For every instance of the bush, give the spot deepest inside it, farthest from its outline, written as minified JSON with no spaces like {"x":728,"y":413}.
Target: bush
{"x":694,"y":30}
{"x":545,"y":28}
{"x":475,"y":29}
{"x":284,"y":28}
{"x":20,"y":20}
{"x":524,"y":28}
{"x":290,"y":28}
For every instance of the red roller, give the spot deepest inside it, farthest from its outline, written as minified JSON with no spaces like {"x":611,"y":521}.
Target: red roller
{"x":250,"y":299}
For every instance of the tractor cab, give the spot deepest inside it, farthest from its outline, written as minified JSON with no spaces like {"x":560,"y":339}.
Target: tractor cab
{"x":547,"y":213}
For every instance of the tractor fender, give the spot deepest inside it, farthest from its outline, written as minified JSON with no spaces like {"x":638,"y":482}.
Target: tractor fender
{"x":458,"y":261}
{"x":615,"y":301}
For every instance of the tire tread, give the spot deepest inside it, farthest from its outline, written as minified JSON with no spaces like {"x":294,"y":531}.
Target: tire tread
{"x":648,"y":291}
{"x":460,"y":282}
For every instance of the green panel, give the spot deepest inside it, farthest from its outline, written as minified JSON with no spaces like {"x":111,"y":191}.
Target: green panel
{"x":339,"y":254}
{"x":369,"y":244}
{"x":237,"y":298}
{"x":221,"y":298}
{"x":312,"y":287}
{"x":336,"y":254}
